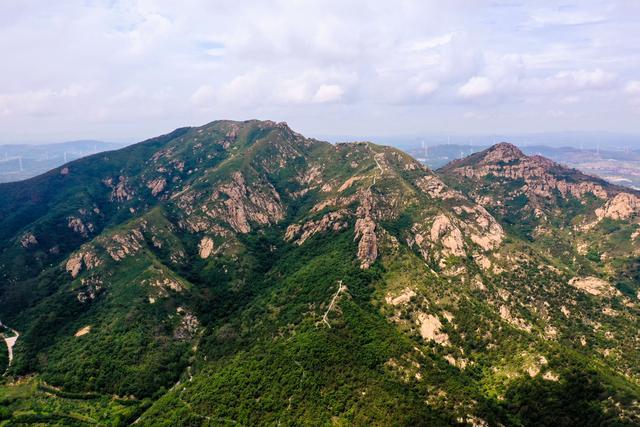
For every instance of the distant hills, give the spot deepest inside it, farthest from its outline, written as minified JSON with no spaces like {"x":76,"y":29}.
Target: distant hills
{"x":22,"y":161}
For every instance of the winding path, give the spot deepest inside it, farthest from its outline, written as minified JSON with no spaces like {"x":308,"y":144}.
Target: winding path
{"x":377,"y":164}
{"x":341,"y":288}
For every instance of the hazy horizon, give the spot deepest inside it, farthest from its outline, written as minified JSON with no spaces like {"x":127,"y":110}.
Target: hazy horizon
{"x":576,"y":139}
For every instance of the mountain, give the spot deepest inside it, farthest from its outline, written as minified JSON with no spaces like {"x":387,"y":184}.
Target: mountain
{"x":533,"y":195}
{"x":22,"y":161}
{"x":616,"y":166}
{"x":239,"y":272}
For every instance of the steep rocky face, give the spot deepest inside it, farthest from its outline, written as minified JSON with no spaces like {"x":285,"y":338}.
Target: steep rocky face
{"x":368,"y":242}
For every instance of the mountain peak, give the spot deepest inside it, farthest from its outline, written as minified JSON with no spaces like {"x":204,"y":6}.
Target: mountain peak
{"x":502,"y":152}
{"x":543,"y":183}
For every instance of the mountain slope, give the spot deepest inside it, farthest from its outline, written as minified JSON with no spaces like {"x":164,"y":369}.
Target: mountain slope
{"x":239,"y":272}
{"x":585,"y":228}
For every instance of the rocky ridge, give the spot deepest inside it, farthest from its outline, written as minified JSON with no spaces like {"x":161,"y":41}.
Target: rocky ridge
{"x":540,"y":175}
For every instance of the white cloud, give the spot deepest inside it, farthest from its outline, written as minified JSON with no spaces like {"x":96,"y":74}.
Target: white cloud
{"x":430,"y":43}
{"x":565,"y":16}
{"x":585,"y":79}
{"x":476,"y":87}
{"x":426,"y":88}
{"x":293,"y":91}
{"x":633,"y":88}
{"x":574,"y":80}
{"x":474,"y":115}
{"x":384,"y":66}
{"x":328,"y":93}
{"x":42,"y":101}
{"x":245,"y":89}
{"x":204,"y":95}
{"x":217,"y":51}
{"x":570,"y":99}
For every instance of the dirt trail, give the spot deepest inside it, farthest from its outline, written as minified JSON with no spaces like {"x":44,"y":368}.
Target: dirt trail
{"x":377,"y":164}
{"x":10,"y":341}
{"x":341,"y":288}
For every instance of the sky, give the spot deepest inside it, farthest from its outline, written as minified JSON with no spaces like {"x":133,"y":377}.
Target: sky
{"x":129,"y":70}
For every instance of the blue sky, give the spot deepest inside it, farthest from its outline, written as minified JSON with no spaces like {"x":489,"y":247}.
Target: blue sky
{"x":127,"y":70}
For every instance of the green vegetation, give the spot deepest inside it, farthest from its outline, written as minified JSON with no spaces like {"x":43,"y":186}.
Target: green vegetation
{"x":222,"y":281}
{"x":30,"y":401}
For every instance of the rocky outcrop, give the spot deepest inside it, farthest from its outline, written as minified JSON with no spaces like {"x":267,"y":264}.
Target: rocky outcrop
{"x":519,"y":323}
{"x":205,"y":247}
{"x":443,"y":231}
{"x":467,"y":228}
{"x":238,"y":204}
{"x":83,"y":331}
{"x":623,"y":206}
{"x":427,"y":239}
{"x":481,"y":226}
{"x":430,"y":326}
{"x":311,"y":176}
{"x":79,"y":227}
{"x":436,"y":189}
{"x":28,"y":240}
{"x":365,"y":230}
{"x":594,"y":286}
{"x":157,"y":186}
{"x":332,"y":221}
{"x":188,"y":326}
{"x":403,"y":298}
{"x":120,"y":191}
{"x":444,"y":235}
{"x":91,"y":287}
{"x":75,"y":262}
{"x":167,"y":283}
{"x":121,"y":245}
{"x":503,"y":152}
{"x":118,"y":246}
{"x":349,"y":182}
